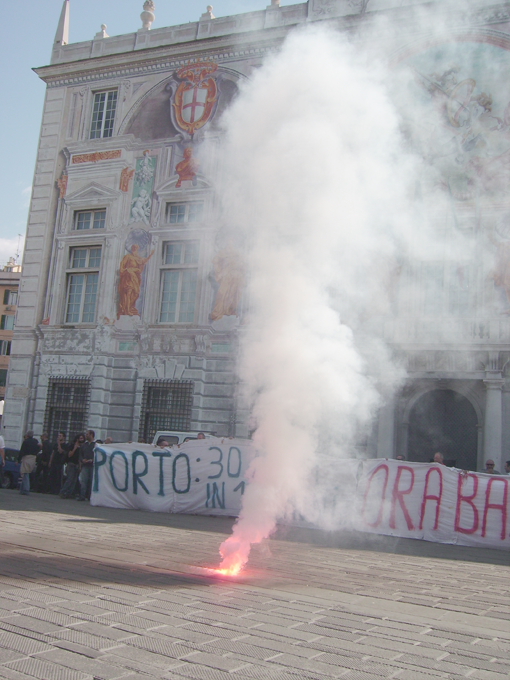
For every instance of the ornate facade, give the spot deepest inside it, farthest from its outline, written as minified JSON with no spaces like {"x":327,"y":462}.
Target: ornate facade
{"x":131,"y":300}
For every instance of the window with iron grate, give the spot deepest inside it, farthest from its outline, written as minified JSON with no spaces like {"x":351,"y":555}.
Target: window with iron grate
{"x":166,"y":405}
{"x":67,"y":406}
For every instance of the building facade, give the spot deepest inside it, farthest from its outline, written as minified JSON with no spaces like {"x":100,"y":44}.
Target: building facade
{"x":131,"y":299}
{"x":9,"y":287}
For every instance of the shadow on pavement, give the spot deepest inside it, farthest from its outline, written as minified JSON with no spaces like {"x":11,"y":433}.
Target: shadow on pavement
{"x":338,"y":540}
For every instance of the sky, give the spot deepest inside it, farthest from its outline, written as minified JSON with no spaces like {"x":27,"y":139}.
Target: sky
{"x":27,"y":43}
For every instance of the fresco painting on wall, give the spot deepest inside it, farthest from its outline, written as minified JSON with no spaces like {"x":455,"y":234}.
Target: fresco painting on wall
{"x":182,"y":105}
{"x":187,"y":168}
{"x":500,"y":237}
{"x":229,"y":274}
{"x":142,"y":189}
{"x":196,"y":96}
{"x":459,"y":120}
{"x":132,"y":273}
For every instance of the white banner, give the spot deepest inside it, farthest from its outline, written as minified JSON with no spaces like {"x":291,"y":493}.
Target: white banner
{"x":395,"y":498}
{"x":203,"y":476}
{"x":434,"y":502}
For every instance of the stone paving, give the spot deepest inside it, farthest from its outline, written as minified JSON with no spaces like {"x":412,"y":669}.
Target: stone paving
{"x":95,"y":593}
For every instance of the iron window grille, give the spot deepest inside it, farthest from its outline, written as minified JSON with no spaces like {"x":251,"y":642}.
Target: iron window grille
{"x":166,"y":405}
{"x":67,"y":406}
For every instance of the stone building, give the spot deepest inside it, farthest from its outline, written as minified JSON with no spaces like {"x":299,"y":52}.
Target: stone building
{"x":129,"y":311}
{"x":9,"y":284}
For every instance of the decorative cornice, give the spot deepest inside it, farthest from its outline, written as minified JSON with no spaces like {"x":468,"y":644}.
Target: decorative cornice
{"x":493,"y":15}
{"x":157,"y":64}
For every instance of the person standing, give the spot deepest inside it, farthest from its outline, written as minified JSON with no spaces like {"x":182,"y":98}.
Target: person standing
{"x":72,"y":467}
{"x":57,"y":461}
{"x":42,"y":469}
{"x":86,"y":465}
{"x":27,"y":457}
{"x":490,"y":468}
{"x":2,"y":460}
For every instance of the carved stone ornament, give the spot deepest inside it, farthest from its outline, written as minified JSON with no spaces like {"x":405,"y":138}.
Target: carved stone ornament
{"x":322,"y":7}
{"x":147,"y":16}
{"x":126,"y":87}
{"x":361,"y":5}
{"x":490,"y":16}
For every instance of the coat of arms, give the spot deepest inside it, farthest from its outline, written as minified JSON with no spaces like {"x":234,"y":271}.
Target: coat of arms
{"x":196,"y":96}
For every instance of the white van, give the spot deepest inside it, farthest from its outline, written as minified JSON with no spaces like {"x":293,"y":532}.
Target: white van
{"x":177,"y":437}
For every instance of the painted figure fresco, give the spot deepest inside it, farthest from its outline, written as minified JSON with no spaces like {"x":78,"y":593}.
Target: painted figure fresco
{"x":459,"y":118}
{"x":500,"y":274}
{"x":196,"y":96}
{"x":187,"y":168}
{"x":229,"y":273}
{"x":125,"y":178}
{"x":131,"y":273}
{"x":141,"y":202}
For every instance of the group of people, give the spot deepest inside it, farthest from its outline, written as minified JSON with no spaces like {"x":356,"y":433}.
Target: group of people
{"x":61,"y":468}
{"x":489,"y":469}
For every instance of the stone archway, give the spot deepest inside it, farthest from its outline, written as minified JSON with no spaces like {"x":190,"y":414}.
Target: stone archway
{"x":443,"y":420}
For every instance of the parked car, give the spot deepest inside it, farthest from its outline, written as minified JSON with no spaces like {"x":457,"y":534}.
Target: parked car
{"x":175,"y":437}
{"x":11,"y":469}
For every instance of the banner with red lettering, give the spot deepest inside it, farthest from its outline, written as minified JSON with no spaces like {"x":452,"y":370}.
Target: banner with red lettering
{"x":434,"y":502}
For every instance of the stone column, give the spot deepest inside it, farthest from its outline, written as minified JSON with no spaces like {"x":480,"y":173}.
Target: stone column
{"x":386,"y":431}
{"x":493,"y":421}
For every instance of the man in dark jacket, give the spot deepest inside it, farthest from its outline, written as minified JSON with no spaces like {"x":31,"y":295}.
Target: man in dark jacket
{"x":86,"y":465}
{"x":27,"y":457}
{"x":72,"y":467}
{"x":42,"y":468}
{"x":57,"y":462}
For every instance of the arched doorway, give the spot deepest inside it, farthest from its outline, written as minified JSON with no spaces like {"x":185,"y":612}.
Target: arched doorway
{"x":443,"y":420}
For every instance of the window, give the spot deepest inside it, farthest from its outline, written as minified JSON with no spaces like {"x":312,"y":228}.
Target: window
{"x":82,"y":285}
{"x":103,"y":114}
{"x":179,"y":279}
{"x":461,"y":290}
{"x":10,"y":297}
{"x":67,"y":406}
{"x":5,"y":347}
{"x":448,"y":289}
{"x":3,"y":377}
{"x":166,"y":405}
{"x":7,"y":322}
{"x":89,"y":219}
{"x":180,"y":213}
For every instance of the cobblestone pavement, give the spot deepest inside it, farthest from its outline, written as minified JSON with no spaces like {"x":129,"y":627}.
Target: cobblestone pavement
{"x":95,"y":593}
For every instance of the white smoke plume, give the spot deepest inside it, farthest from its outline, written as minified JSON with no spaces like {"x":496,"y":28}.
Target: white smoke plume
{"x":318,"y":189}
